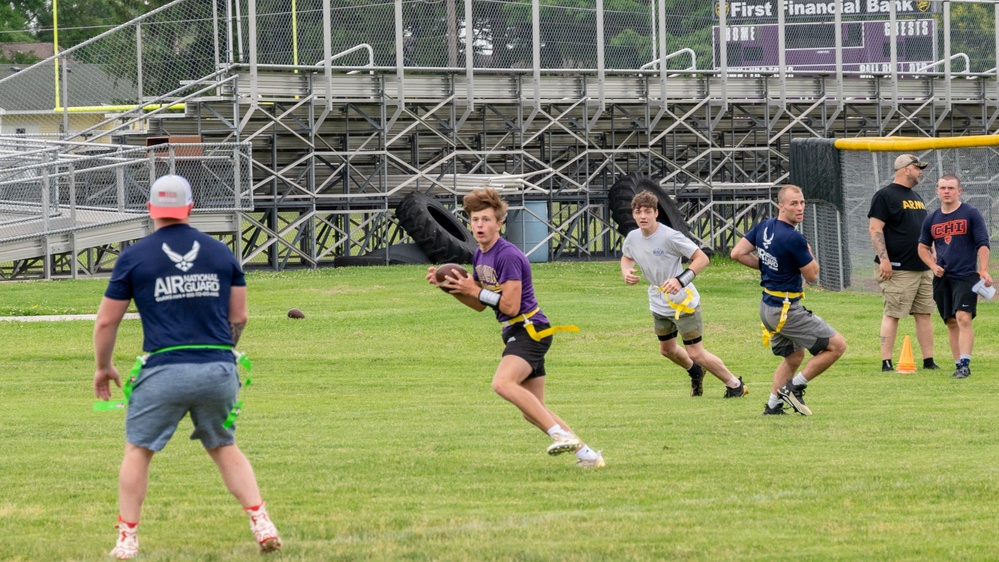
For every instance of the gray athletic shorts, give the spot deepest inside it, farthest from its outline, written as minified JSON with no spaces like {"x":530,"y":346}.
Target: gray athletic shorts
{"x":164,"y":395}
{"x":690,"y":326}
{"x":801,"y":330}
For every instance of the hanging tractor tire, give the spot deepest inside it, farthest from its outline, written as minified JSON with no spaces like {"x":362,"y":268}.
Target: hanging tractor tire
{"x":435,"y":230}
{"x":621,"y":194}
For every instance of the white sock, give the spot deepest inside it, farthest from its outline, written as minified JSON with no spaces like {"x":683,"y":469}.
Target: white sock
{"x":734,"y":383}
{"x":774,"y":401}
{"x":555,"y":430}
{"x":799,"y":379}
{"x":585,"y":453}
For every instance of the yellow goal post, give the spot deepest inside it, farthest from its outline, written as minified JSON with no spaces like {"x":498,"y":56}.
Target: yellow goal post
{"x":839,"y":177}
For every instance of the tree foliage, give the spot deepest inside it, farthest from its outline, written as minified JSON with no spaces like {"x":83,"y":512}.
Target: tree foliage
{"x":973,"y":32}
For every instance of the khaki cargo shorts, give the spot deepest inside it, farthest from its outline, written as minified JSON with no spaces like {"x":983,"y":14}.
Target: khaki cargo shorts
{"x":907,"y":292}
{"x":689,"y":325}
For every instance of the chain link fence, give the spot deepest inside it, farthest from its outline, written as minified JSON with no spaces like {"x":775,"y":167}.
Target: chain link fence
{"x":865,"y":172}
{"x":151,"y":56}
{"x":156,"y":55}
{"x":823,"y":228}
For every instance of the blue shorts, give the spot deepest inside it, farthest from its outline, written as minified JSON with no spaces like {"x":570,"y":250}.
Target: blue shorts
{"x":164,"y":395}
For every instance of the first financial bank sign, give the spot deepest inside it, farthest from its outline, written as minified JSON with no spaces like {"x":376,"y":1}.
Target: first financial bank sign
{"x":747,"y":9}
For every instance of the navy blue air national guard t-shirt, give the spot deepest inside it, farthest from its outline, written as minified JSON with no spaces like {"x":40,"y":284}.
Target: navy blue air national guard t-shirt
{"x":783,"y":251}
{"x":180,"y":279}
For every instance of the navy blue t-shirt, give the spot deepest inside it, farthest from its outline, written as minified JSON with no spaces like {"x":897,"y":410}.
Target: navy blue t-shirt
{"x":783,"y":251}
{"x":180,"y":279}
{"x":956,"y":236}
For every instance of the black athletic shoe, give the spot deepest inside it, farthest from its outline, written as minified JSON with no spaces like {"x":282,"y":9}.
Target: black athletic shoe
{"x":737,"y":392}
{"x":794,"y":395}
{"x":887,"y":368}
{"x":696,"y":380}
{"x":962,"y":373}
{"x":777,"y":410}
{"x":931,"y":366}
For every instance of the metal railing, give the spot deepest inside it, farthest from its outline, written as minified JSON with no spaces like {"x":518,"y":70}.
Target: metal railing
{"x":152,"y":55}
{"x":71,"y":186}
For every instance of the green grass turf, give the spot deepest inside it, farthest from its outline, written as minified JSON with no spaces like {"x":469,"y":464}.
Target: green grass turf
{"x":375,"y":435}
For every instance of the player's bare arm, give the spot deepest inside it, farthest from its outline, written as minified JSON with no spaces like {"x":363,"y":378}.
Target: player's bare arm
{"x":236,"y":329}
{"x":983,"y":265}
{"x":628,"y":271}
{"x":238,"y":312}
{"x":810,"y":272}
{"x":926,"y":254}
{"x":743,"y":253}
{"x":109,"y":317}
{"x":698,"y":261}
{"x":510,"y":297}
{"x":877,"y":230}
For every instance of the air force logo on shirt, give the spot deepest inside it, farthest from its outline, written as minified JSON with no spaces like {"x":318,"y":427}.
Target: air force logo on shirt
{"x":186,"y":261}
{"x":192,"y":285}
{"x":766,"y":258}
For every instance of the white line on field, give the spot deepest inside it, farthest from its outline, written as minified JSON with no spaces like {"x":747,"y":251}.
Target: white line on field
{"x":61,"y":317}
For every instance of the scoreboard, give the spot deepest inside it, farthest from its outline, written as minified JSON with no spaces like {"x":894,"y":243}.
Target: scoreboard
{"x":811,"y":47}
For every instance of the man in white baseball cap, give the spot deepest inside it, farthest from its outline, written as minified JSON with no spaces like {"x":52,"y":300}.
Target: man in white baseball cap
{"x":170,"y":198}
{"x":191,"y":295}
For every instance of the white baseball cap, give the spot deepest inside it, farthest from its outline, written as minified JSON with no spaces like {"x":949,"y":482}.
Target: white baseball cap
{"x":170,"y":197}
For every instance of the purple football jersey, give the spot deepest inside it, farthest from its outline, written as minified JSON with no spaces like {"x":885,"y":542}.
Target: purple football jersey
{"x":505,"y":262}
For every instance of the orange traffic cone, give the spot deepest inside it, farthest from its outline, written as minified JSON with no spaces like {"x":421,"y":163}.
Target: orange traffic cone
{"x":906,"y":364}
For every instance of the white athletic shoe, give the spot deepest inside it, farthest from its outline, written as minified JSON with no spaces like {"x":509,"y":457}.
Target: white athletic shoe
{"x":564,"y":443}
{"x":264,"y":532}
{"x":128,"y":542}
{"x":595,"y":463}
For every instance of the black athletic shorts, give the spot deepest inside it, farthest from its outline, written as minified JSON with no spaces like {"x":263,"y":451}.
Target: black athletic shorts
{"x":520,"y":344}
{"x":954,"y":294}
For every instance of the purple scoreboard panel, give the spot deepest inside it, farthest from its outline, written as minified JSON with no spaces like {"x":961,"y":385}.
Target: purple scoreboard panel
{"x":811,"y":47}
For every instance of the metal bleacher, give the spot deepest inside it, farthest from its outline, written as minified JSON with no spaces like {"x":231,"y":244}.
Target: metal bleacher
{"x":319,"y":155}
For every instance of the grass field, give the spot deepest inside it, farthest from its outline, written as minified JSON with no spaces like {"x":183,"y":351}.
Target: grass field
{"x":375,"y":435}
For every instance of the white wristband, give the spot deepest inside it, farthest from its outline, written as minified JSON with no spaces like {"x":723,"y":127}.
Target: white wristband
{"x":686,"y":277}
{"x":489,"y":298}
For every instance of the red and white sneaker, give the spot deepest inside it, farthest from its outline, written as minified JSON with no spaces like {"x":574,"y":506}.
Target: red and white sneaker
{"x":264,"y":532}
{"x":128,"y":541}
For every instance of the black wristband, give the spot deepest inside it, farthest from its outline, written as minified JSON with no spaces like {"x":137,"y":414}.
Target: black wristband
{"x":686,"y":277}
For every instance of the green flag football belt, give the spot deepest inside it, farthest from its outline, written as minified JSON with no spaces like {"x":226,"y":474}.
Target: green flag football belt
{"x":140,"y":362}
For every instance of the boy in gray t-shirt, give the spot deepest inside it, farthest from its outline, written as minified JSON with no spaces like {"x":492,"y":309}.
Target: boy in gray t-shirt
{"x":674,"y":301}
